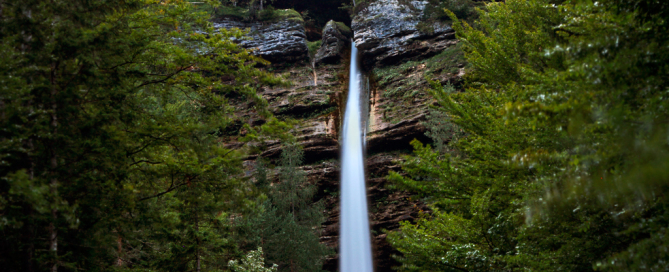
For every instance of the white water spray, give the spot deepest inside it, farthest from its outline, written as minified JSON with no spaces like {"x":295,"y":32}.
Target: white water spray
{"x":355,"y":253}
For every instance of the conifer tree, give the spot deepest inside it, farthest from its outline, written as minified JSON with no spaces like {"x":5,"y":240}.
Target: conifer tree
{"x":109,"y":112}
{"x":288,"y":226}
{"x":564,"y":166}
{"x":252,"y":262}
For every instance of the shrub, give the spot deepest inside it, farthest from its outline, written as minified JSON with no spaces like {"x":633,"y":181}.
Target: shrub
{"x":267,"y":14}
{"x":313,"y":47}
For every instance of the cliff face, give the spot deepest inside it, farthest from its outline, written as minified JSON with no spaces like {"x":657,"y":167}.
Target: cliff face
{"x":388,"y":32}
{"x":283,"y":41}
{"x":398,"y":57}
{"x":313,"y":100}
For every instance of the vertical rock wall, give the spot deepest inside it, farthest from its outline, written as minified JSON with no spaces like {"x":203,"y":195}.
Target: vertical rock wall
{"x":397,"y":56}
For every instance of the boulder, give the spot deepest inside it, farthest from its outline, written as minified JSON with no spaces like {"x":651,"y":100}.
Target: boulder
{"x":387,"y":32}
{"x":283,"y":41}
{"x":336,"y":37}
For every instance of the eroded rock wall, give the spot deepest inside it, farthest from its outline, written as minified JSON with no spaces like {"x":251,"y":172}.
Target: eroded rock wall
{"x":398,"y":58}
{"x":387,"y":32}
{"x":284,"y":41}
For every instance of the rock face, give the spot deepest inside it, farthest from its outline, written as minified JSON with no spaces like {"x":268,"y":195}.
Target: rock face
{"x":279,"y":42}
{"x":388,"y":35}
{"x":335,"y":39}
{"x":387,"y":32}
{"x":312,"y":99}
{"x":387,"y":208}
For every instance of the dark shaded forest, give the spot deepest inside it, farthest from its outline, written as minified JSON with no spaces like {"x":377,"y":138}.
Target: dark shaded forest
{"x":132,"y":136}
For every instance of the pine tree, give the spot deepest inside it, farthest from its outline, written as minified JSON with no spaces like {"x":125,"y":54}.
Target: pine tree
{"x":252,"y":262}
{"x":289,"y":224}
{"x":564,"y":165}
{"x":109,"y":116}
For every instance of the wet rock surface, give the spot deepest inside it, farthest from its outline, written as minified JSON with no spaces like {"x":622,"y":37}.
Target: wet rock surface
{"x":387,"y":208}
{"x":388,"y":37}
{"x":393,"y":124}
{"x":279,"y":42}
{"x":387,"y":32}
{"x":334,"y":42}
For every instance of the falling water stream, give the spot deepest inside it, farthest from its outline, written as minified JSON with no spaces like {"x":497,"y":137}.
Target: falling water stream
{"x":355,"y":254}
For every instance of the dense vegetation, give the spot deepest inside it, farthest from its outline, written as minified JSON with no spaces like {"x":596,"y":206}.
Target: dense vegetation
{"x":116,"y":119}
{"x":113,"y":116}
{"x":561,"y":164}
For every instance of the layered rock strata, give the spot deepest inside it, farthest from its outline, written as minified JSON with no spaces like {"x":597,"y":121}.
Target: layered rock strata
{"x":388,"y":32}
{"x":387,"y":208}
{"x":313,"y":100}
{"x":284,"y":41}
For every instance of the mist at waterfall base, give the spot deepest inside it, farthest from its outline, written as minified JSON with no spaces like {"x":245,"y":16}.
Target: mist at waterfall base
{"x":355,"y":253}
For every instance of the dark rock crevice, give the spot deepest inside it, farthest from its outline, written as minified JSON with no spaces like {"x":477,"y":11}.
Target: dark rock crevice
{"x":318,"y":13}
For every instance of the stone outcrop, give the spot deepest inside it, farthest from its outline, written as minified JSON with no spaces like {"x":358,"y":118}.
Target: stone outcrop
{"x":387,"y":32}
{"x":284,"y":41}
{"x":336,"y":37}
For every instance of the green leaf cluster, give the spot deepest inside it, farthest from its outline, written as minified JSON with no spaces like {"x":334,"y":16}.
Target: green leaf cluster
{"x":564,"y":164}
{"x":252,"y":262}
{"x":110,"y":155}
{"x":288,"y":224}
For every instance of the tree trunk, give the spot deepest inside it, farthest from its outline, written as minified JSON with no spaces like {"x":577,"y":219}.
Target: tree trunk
{"x":197,"y":237}
{"x":53,"y":231}
{"x":28,"y":237}
{"x":119,"y":242}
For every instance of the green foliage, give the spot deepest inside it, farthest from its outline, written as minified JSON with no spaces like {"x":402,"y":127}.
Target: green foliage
{"x":289,"y":14}
{"x":252,"y":262}
{"x":270,"y":14}
{"x":436,"y":11}
{"x":287,"y":227}
{"x":267,"y":14}
{"x":461,"y":8}
{"x":345,"y":30}
{"x":109,"y":113}
{"x":237,"y":12}
{"x":440,"y":129}
{"x":251,"y":13}
{"x":313,"y":47}
{"x":564,"y":163}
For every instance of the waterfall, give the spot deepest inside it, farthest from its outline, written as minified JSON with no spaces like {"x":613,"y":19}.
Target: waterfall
{"x":355,"y":253}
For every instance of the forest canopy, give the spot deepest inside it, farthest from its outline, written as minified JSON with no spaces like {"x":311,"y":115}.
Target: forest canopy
{"x":131,"y":133}
{"x":111,"y":156}
{"x":563,"y":161}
